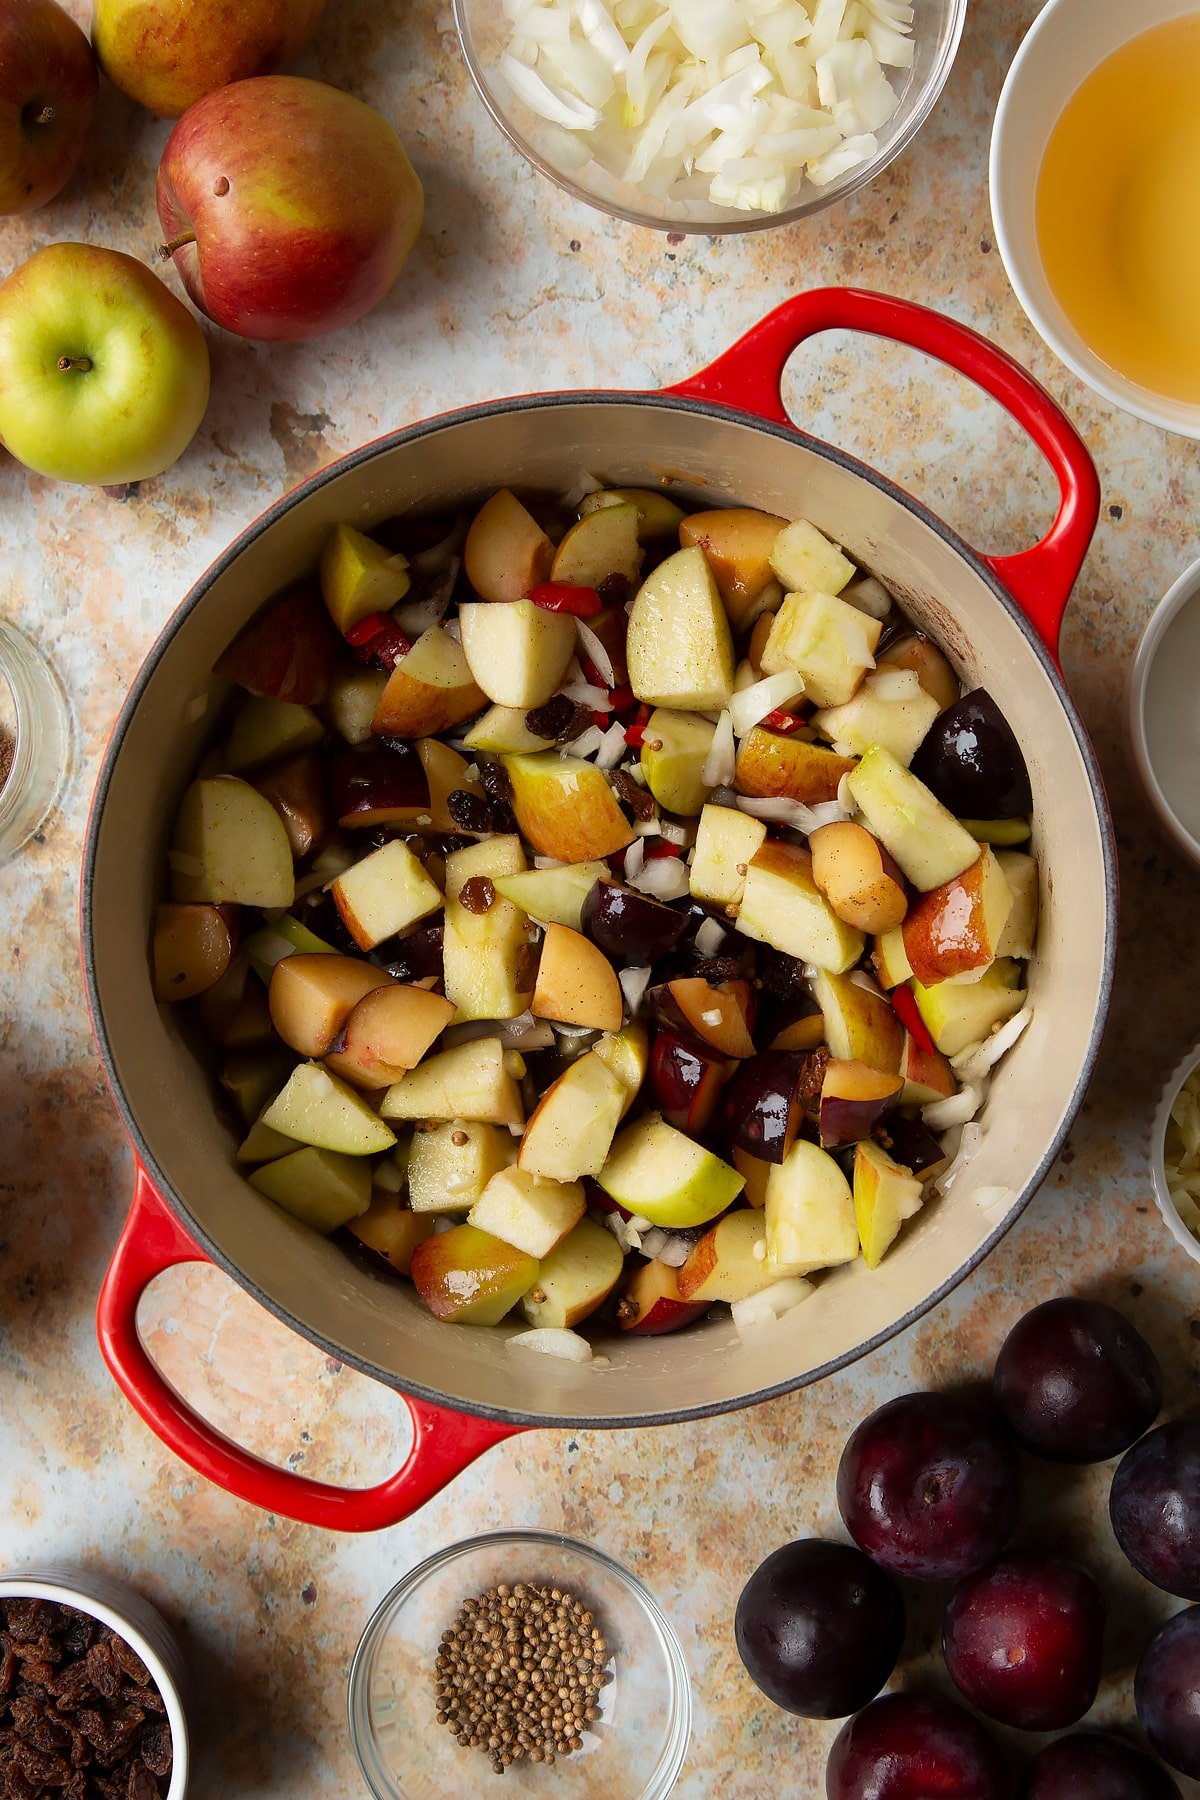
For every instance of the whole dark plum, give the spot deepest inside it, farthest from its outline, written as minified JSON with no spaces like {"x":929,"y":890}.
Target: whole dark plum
{"x":1023,"y":1639}
{"x":1154,"y":1505}
{"x":972,"y":761}
{"x":819,"y":1628}
{"x":1075,"y":1382}
{"x":1090,"y":1765}
{"x":930,"y":1486}
{"x":909,"y":1747}
{"x":1166,"y":1692}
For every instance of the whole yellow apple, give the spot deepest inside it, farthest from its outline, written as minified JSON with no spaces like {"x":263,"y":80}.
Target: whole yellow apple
{"x":167,"y":54}
{"x":104,"y":374}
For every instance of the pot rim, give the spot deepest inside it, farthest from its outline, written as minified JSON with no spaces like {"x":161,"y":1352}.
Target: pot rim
{"x":464,"y":416}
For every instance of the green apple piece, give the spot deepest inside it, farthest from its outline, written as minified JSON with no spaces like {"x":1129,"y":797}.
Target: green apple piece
{"x":251,"y":1076}
{"x":570,"y":1131}
{"x":1020,"y":928}
{"x":576,"y":1277}
{"x":665,"y":1176}
{"x":730,"y":1262}
{"x":727,"y":841}
{"x":782,"y":906}
{"x":809,"y":1211}
{"x":958,"y":1013}
{"x":261,"y":1144}
{"x":285,"y":936}
{"x":860,"y":1026}
{"x":470,"y":1277}
{"x":517,"y":652}
{"x":806,"y":561}
{"x":359,"y":577}
{"x":317,"y":1186}
{"x":606,"y":541}
{"x":528,"y":1211}
{"x":910,"y":822}
{"x":450,"y":1165}
{"x":483,"y":953}
{"x":627,"y":1054}
{"x":679,"y":648}
{"x":104,"y":374}
{"x":502,"y":731}
{"x":265,"y":729}
{"x":658,"y":516}
{"x":998,"y":832}
{"x":230,"y":845}
{"x":554,"y":896}
{"x":891,"y":958}
{"x":468,"y":1082}
{"x":885,"y":1194}
{"x":354,"y":696}
{"x":318,"y":1109}
{"x":674,"y":749}
{"x":385,"y":893}
{"x":566,"y":807}
{"x":826,"y":641}
{"x":890,"y":708}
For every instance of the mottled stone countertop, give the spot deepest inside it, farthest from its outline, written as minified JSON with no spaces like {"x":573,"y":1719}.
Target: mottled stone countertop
{"x":514,"y":287}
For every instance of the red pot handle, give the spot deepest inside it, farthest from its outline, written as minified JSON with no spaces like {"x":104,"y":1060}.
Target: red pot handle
{"x":749,"y":375}
{"x":444,"y":1442}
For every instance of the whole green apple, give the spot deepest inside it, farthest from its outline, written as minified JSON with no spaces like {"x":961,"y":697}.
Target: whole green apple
{"x":288,"y":206}
{"x":167,"y":54}
{"x":103,"y":373}
{"x":48,"y":85}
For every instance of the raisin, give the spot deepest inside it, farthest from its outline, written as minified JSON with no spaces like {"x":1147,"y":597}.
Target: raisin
{"x":104,"y":1670}
{"x":640,"y":803}
{"x":44,"y":1768}
{"x":142,"y":1785}
{"x":26,"y":1619}
{"x":478,"y":894}
{"x":614,"y":589}
{"x":155,"y":1748}
{"x":470,"y":812}
{"x":495,"y":781}
{"x":131,"y":1663}
{"x":559,"y":719}
{"x":8,"y":1663}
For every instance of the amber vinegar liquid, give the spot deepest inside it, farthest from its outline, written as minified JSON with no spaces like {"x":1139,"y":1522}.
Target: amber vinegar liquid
{"x":1118,"y":210}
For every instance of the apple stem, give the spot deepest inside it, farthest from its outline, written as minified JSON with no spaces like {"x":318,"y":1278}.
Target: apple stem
{"x":81,"y":363}
{"x":45,"y":116}
{"x":167,"y":251}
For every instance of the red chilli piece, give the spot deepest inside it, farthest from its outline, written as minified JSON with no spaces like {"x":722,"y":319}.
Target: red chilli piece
{"x":384,"y":646}
{"x":565,"y":597}
{"x":621,"y":699}
{"x":785,"y":723}
{"x":904,"y":1005}
{"x":635,"y":733}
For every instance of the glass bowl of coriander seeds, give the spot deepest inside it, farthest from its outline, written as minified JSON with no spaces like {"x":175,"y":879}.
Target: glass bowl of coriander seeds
{"x":520,"y":1654}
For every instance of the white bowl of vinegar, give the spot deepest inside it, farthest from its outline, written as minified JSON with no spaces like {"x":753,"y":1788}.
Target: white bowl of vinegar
{"x":1095,"y":190}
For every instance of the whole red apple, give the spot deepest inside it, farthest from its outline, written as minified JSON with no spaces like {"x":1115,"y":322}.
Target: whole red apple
{"x":48,"y":85}
{"x":167,"y":55}
{"x":288,"y":206}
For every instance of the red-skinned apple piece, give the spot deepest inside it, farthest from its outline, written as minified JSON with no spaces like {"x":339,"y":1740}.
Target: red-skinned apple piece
{"x":287,"y":653}
{"x":652,"y":1303}
{"x":854,"y":1098}
{"x":288,"y":206}
{"x":686,"y":1083}
{"x":387,"y":1033}
{"x":311,"y":998}
{"x":429,"y":690}
{"x":48,"y":85}
{"x":955,"y":929}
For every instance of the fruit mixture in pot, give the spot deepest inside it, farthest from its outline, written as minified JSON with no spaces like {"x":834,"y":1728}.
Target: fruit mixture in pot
{"x":601,"y":910}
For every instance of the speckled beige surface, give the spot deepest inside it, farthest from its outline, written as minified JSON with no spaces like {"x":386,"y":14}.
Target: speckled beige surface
{"x":511,"y":288}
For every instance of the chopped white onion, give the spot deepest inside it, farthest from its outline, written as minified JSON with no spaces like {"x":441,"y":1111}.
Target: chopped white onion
{"x":973,"y":1064}
{"x":548,"y":862}
{"x":669,"y":1247}
{"x":869,"y":596}
{"x":635,"y":856}
{"x":845,"y":798}
{"x":863,"y":979}
{"x":780,"y":811}
{"x":584,"y":482}
{"x":612,"y":747}
{"x":710,"y":99}
{"x":710,"y":937}
{"x":596,"y":654}
{"x":970,"y":1138}
{"x":586,"y":744}
{"x":764,"y":1308}
{"x":552,"y":1340}
{"x":959,"y":1109}
{"x":765,"y":696}
{"x":634,"y":983}
{"x":522,"y":1033}
{"x":584,"y":694}
{"x":718,"y":766}
{"x":663,"y":877}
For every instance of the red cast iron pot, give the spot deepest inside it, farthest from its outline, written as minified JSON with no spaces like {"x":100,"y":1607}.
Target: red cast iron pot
{"x":723,"y":436}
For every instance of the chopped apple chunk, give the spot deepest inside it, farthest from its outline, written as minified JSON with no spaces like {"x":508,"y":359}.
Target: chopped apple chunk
{"x":502,"y":731}
{"x":738,"y":541}
{"x":318,"y":1109}
{"x":575,"y":1278}
{"x":392,"y":1230}
{"x":679,"y":647}
{"x":528,"y":1211}
{"x":517,"y":652}
{"x":730,"y":1262}
{"x":885,"y":1194}
{"x":627,"y":1054}
{"x":806,"y":561}
{"x":470,"y":1277}
{"x":554,"y":896}
{"x":312,"y":996}
{"x":429,"y":690}
{"x":266,"y":729}
{"x":354,"y":696}
{"x":956,"y":928}
{"x":486,"y":938}
{"x":359,"y":577}
{"x":470,"y":1081}
{"x":890,"y":708}
{"x":663,"y":1175}
{"x":652,"y":1303}
{"x":606,"y":541}
{"x":782,"y":906}
{"x":727,"y":841}
{"x":1020,"y":928}
{"x":860,"y":1025}
{"x":827,"y":641}
{"x":318,"y":1186}
{"x":576,"y":983}
{"x":450,"y":1165}
{"x":957,"y":1014}
{"x":809,"y":1211}
{"x":385,"y":894}
{"x":388,"y":1033}
{"x":566,"y":808}
{"x":910,"y":822}
{"x":230,"y":846}
{"x":771,"y":766}
{"x":858,"y":878}
{"x":570,"y":1131}
{"x":506,"y":553}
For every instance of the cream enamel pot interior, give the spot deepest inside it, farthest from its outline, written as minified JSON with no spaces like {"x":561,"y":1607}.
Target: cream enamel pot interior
{"x":722,"y":437}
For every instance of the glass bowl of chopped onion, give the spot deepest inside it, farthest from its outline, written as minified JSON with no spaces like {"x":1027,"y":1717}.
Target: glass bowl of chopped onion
{"x":1175,"y":1154}
{"x":401,"y":1718}
{"x":710,"y":116}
